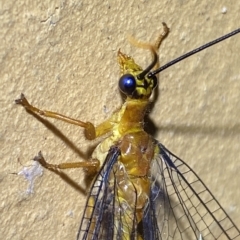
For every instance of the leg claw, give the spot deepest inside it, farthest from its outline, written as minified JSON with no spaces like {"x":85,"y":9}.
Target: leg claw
{"x":39,"y":158}
{"x":22,"y":100}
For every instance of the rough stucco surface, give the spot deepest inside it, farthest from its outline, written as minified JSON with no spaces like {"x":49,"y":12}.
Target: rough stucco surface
{"x":62,"y":55}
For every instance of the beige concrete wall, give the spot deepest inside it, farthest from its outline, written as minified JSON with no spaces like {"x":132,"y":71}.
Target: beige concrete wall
{"x":62,"y":55}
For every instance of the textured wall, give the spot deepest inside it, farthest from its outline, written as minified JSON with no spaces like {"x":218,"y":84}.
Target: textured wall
{"x":62,"y":55}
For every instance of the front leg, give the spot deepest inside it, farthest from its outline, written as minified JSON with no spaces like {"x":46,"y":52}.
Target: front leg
{"x":91,"y":132}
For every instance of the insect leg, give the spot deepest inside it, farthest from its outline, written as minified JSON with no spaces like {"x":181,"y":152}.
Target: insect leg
{"x":162,"y":36}
{"x":91,"y":166}
{"x":157,"y":43}
{"x":159,"y":40}
{"x":89,"y":128}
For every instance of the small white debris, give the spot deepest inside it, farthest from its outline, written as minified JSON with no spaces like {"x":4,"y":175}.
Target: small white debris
{"x":224,"y":10}
{"x":200,"y":237}
{"x":105,"y":109}
{"x":70,"y":213}
{"x":30,"y":174}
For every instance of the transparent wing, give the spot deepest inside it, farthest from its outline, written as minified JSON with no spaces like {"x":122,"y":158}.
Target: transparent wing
{"x":182,"y":204}
{"x":98,"y":216}
{"x":107,"y":215}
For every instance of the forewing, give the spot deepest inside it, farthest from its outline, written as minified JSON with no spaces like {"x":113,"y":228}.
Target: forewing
{"x":183,"y":206}
{"x":180,"y":206}
{"x":107,"y":215}
{"x":98,"y":217}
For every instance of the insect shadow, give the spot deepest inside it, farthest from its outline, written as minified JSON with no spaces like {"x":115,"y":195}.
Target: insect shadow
{"x":58,"y":133}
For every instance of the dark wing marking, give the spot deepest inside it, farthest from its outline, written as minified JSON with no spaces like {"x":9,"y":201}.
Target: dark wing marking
{"x":183,"y":206}
{"x":150,"y":230}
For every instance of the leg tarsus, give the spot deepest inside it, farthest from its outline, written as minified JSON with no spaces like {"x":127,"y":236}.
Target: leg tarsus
{"x":23,"y":101}
{"x":162,"y":36}
{"x":39,"y":158}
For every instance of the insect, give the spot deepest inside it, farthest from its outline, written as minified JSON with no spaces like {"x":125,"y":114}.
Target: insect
{"x":141,"y":189}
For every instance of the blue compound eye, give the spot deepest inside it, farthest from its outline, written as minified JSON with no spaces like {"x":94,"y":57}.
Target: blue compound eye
{"x":127,"y":84}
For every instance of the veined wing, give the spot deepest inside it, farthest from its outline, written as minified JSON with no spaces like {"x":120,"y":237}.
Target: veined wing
{"x":98,"y":216}
{"x":107,"y":215}
{"x":183,"y":205}
{"x":180,"y":206}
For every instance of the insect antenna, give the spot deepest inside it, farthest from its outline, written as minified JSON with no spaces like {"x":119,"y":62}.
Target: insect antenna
{"x":199,"y":49}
